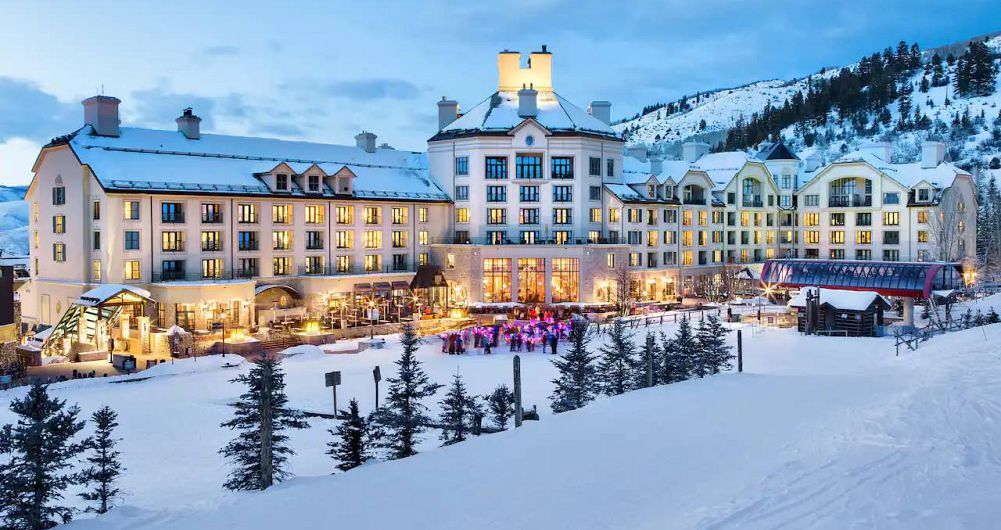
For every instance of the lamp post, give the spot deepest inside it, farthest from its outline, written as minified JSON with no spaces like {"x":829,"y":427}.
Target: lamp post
{"x":371,"y":321}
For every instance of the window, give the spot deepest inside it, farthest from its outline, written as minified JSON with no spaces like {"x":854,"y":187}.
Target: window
{"x":565,"y":279}
{"x":837,"y":237}
{"x":281,"y":214}
{"x":462,"y":215}
{"x":131,"y":209}
{"x":863,"y":254}
{"x":212,"y":268}
{"x":528,"y":193}
{"x":313,"y":183}
{"x":314,"y":240}
{"x":837,"y":219}
{"x":837,"y":253}
{"x":613,"y":215}
{"x":812,"y":200}
{"x":373,"y":239}
{"x":610,"y":260}
{"x":59,"y":252}
{"x":610,"y":167}
{"x":422,"y":214}
{"x":496,"y":216}
{"x":923,"y":216}
{"x":923,"y":194}
{"x":891,"y":198}
{"x":131,"y":240}
{"x":281,"y":240}
{"x":373,"y":263}
{"x":496,"y":167}
{"x":249,"y":267}
{"x":593,"y":236}
{"x":528,"y":216}
{"x":891,"y":255}
{"x":786,"y":181}
{"x":281,"y":182}
{"x":461,"y":166}
{"x":58,"y":224}
{"x":281,"y":266}
{"x":314,"y":264}
{"x":891,"y":218}
{"x":594,"y":167}
{"x":184,"y":315}
{"x":422,"y":237}
{"x":562,"y":216}
{"x":595,"y":193}
{"x":496,"y":193}
{"x":811,"y":219}
{"x":785,"y":201}
{"x":211,"y":241}
{"x":373,"y":215}
{"x":343,"y":263}
{"x":462,"y":193}
{"x":531,"y":280}
{"x":96,"y":243}
{"x":528,"y":237}
{"x":562,"y":193}
{"x":595,"y":215}
{"x":423,"y":258}
{"x":95,"y":271}
{"x":247,"y":240}
{"x":497,"y":280}
{"x":211,"y":213}
{"x":345,"y":215}
{"x":863,"y":219}
{"x":172,"y":241}
{"x":399,"y":262}
{"x":345,"y":239}
{"x":562,"y":237}
{"x":562,"y":167}
{"x":863,"y":237}
{"x":528,"y":166}
{"x":96,"y":212}
{"x":314,"y":214}
{"x":634,"y":215}
{"x":399,"y":239}
{"x":58,"y":195}
{"x":891,"y":237}
{"x":132,"y":270}
{"x":496,"y":237}
{"x":922,"y":236}
{"x":247,"y":213}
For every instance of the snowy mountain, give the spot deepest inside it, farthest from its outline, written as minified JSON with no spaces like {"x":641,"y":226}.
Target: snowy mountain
{"x":13,"y":221}
{"x":971,"y":126}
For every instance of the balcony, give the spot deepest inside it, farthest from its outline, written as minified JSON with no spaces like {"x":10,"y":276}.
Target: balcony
{"x":185,"y":276}
{"x":849,"y":201}
{"x":695,"y":200}
{"x":334,"y":270}
{"x":538,"y":241}
{"x":172,"y":218}
{"x":752,"y":201}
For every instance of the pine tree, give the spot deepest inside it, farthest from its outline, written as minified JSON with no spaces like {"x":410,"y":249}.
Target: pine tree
{"x":672,"y":367}
{"x":577,"y":379}
{"x":260,"y":451}
{"x":459,"y":411}
{"x":105,"y":466}
{"x":404,"y":417}
{"x":652,"y":351}
{"x":618,"y":361}
{"x":712,"y":338}
{"x":992,"y":316}
{"x":500,"y":404}
{"x":349,"y":447}
{"x":688,"y":351}
{"x":968,"y":319}
{"x":41,"y":448}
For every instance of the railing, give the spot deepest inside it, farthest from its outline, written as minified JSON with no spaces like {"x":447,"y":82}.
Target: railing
{"x":172,"y":218}
{"x":849,"y":201}
{"x":334,"y":270}
{"x":537,"y":241}
{"x":700,"y":201}
{"x":186,"y":276}
{"x":752,"y":202}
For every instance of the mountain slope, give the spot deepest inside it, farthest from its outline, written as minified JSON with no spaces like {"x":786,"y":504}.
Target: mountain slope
{"x":13,"y":221}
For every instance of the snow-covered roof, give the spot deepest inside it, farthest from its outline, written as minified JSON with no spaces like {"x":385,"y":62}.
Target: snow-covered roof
{"x":721,"y":167}
{"x":909,"y":175}
{"x":158,"y":160}
{"x":625,"y":193}
{"x":775,"y":151}
{"x":636,"y":171}
{"x":839,"y":299}
{"x":499,"y":112}
{"x":103,"y":293}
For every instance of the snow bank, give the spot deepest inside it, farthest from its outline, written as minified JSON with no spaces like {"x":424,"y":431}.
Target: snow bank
{"x":305,"y":352}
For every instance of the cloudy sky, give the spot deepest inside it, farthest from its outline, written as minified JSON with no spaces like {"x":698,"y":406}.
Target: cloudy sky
{"x":325,"y":70}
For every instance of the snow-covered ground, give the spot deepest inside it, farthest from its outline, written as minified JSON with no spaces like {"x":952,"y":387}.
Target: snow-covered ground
{"x":818,"y":432}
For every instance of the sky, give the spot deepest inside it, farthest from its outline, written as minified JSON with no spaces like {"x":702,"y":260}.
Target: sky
{"x":325,"y":70}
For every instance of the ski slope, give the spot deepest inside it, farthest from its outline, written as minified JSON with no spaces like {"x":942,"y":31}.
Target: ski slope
{"x":817,"y":432}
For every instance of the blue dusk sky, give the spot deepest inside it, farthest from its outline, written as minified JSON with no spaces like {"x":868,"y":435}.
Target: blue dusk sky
{"x":323,"y":71}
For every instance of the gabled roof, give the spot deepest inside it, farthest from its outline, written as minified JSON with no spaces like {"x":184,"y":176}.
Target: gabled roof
{"x":499,"y":113}
{"x":908,"y":175}
{"x":109,"y":291}
{"x":839,"y":299}
{"x":149,"y":160}
{"x":775,"y":151}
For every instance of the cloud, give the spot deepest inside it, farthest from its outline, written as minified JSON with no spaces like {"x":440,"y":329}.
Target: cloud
{"x":26,"y":111}
{"x":370,"y":89}
{"x":16,"y":157}
{"x":155,"y":107}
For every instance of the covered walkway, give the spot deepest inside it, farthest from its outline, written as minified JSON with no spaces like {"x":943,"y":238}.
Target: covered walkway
{"x":888,"y":278}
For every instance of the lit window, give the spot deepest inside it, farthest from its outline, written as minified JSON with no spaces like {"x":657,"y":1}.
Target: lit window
{"x":132,"y":270}
{"x":314,"y":214}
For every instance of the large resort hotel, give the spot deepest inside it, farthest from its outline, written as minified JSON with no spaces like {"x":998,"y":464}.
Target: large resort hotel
{"x":524,"y":198}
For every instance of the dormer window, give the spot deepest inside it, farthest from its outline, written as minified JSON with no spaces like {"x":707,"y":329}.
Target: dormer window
{"x":668,"y":191}
{"x":281,"y":182}
{"x":651,"y":191}
{"x":314,"y":183}
{"x":923,"y":194}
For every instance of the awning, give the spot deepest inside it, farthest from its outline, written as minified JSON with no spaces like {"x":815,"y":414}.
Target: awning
{"x":428,"y":276}
{"x":113,"y":293}
{"x":361,"y":287}
{"x":288,"y":289}
{"x":383,"y":286}
{"x":401,"y":285}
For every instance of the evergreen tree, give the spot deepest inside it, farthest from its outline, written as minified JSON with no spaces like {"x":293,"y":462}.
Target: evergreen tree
{"x":712,"y":339}
{"x":650,"y":350}
{"x":404,"y":417}
{"x":349,"y":447}
{"x":458,"y":413}
{"x":260,"y":451}
{"x":672,"y":367}
{"x":500,"y":404}
{"x":978,"y":318}
{"x":41,"y":447}
{"x":968,"y":319}
{"x":617,"y":364}
{"x":992,"y":316}
{"x":976,"y":71}
{"x":577,"y":379}
{"x":105,"y":466}
{"x":688,"y":351}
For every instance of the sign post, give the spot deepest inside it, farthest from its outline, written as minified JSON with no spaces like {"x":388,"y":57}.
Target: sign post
{"x":648,"y":351}
{"x":333,"y":379}
{"x":377,"y":375}
{"x":740,"y":352}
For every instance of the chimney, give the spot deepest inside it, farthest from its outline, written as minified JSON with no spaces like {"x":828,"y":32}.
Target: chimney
{"x":882,"y":150}
{"x":932,"y":154}
{"x":601,"y":110}
{"x":448,"y":111}
{"x":656,"y":165}
{"x":528,"y":106}
{"x":812,"y":163}
{"x":189,"y":125}
{"x":366,"y":141}
{"x":637,"y":151}
{"x":101,"y":113}
{"x":538,"y":74}
{"x":692,"y":151}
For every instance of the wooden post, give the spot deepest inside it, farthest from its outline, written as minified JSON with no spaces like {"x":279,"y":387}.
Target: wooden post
{"x":518,"y":414}
{"x":649,"y":361}
{"x":740,"y":352}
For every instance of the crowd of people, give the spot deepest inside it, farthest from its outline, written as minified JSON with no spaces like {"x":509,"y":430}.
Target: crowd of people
{"x":544,"y":332}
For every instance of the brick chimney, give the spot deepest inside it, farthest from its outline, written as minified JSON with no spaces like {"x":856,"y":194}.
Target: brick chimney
{"x":366,"y":141}
{"x":189,"y":125}
{"x":448,"y":111}
{"x":101,"y":113}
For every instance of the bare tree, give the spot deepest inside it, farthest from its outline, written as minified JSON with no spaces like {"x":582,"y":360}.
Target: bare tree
{"x":946,"y":226}
{"x":621,"y":294}
{"x":718,"y":288}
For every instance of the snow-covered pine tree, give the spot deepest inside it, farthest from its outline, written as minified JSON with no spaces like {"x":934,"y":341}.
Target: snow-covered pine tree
{"x":349,"y":448}
{"x":458,"y":412}
{"x":403,"y":417}
{"x":576,"y":383}
{"x":992,"y":316}
{"x":712,"y":340}
{"x":688,"y":350}
{"x":968,"y":319}
{"x":101,"y":477}
{"x":260,"y":451}
{"x":40,"y":447}
{"x":672,"y":368}
{"x":500,"y":405}
{"x":617,"y":364}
